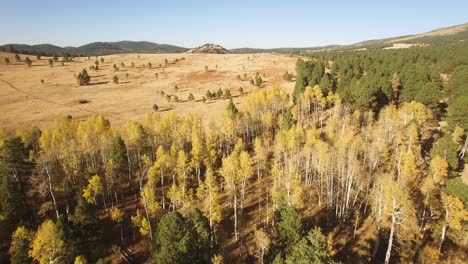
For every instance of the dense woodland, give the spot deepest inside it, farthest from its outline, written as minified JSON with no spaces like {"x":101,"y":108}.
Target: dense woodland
{"x":365,"y":162}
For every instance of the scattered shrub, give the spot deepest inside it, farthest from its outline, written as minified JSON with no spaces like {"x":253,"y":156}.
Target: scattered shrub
{"x":191,"y":97}
{"x":28,"y":61}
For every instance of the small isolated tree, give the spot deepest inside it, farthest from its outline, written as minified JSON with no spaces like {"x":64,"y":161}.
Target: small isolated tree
{"x":51,"y":63}
{"x":7,"y":61}
{"x":133,"y":64}
{"x":241,"y":91}
{"x":252,"y":82}
{"x":204,"y":99}
{"x":175,"y":98}
{"x":115,"y":79}
{"x":150,"y":65}
{"x":115,"y":68}
{"x":122,"y":65}
{"x":83,"y":78}
{"x":206,"y":68}
{"x":28,"y":61}
{"x":176,"y":88}
{"x":191,"y":97}
{"x":156,"y":75}
{"x":17,"y":57}
{"x":102,"y":60}
{"x":258,"y":81}
{"x":238,"y":77}
{"x":166,"y":61}
{"x":155,"y":107}
{"x":227,"y":94}
{"x":96,"y":62}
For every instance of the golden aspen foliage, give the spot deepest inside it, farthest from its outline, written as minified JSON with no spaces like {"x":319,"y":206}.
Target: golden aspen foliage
{"x":48,"y":245}
{"x":95,"y":187}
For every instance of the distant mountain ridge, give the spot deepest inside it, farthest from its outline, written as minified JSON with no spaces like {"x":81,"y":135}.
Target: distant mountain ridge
{"x":96,"y":48}
{"x":448,"y":35}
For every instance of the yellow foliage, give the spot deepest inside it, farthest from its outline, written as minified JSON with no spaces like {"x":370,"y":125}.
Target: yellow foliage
{"x":141,"y":222}
{"x":80,"y":260}
{"x":455,"y":210}
{"x":48,"y":245}
{"x":439,"y":169}
{"x":116,"y":215}
{"x":94,"y":188}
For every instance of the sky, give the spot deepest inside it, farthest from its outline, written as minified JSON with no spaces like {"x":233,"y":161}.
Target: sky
{"x":232,"y":24}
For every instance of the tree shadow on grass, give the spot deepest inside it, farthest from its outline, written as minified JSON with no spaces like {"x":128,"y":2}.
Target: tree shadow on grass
{"x":165,"y":110}
{"x":98,"y":83}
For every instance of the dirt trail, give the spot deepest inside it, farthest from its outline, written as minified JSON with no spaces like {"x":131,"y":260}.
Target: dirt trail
{"x":46,"y":100}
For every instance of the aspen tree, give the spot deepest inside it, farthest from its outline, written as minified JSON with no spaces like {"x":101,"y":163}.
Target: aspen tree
{"x":233,"y":178}
{"x":208,"y":193}
{"x":455,"y":214}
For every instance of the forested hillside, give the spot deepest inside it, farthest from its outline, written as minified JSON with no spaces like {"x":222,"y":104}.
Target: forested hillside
{"x":364,"y":163}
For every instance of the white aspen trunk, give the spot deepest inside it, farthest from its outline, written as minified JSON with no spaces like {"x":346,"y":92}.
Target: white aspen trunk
{"x":235,"y":217}
{"x":442,"y":238}
{"x":390,"y":240}
{"x":51,"y":190}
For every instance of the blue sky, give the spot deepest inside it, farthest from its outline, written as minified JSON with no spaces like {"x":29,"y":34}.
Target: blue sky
{"x":233,"y":24}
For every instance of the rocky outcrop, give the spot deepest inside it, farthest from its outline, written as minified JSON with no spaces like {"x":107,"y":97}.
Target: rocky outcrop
{"x":209,"y":49}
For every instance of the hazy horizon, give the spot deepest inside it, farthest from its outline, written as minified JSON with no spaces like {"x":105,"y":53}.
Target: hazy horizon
{"x":258,"y":24}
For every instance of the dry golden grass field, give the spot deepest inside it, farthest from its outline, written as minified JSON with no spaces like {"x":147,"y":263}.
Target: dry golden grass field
{"x":25,"y":101}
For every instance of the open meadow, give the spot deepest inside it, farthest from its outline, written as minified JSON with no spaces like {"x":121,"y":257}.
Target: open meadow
{"x":31,"y":102}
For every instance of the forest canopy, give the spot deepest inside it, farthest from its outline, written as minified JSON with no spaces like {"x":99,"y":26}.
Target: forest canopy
{"x":366,"y":161}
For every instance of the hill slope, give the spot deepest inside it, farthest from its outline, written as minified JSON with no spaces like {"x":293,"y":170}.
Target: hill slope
{"x":209,"y":48}
{"x":446,"y":35}
{"x":95,"y":48}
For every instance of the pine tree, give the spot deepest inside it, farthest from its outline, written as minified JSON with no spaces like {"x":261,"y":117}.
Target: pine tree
{"x":174,"y":241}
